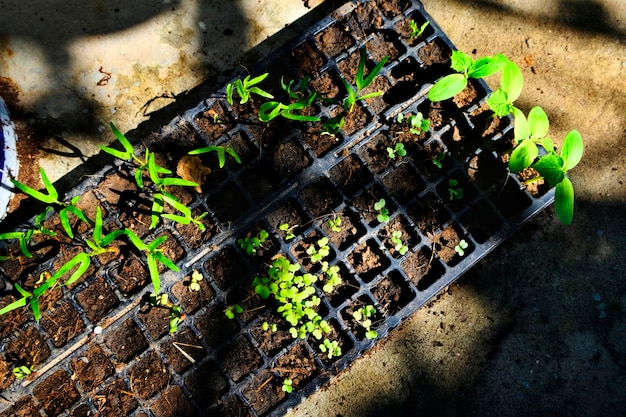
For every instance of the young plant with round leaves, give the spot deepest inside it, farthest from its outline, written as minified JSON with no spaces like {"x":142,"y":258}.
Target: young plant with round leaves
{"x":511,"y":83}
{"x":250,"y":244}
{"x":461,"y":246}
{"x":397,"y":150}
{"x":398,"y":244}
{"x":383,"y":212}
{"x":364,"y":316}
{"x":233,"y":310}
{"x":417,"y":123}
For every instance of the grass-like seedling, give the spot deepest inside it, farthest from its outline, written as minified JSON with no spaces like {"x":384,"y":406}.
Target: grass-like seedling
{"x":397,"y":150}
{"x":417,"y":123}
{"x":154,"y":255}
{"x":32,"y":299}
{"x":250,"y":244}
{"x":300,"y":101}
{"x":398,"y":244}
{"x":416,"y":31}
{"x":245,"y":88}
{"x":466,"y":68}
{"x":52,"y":199}
{"x":221,"y":153}
{"x":454,"y":190}
{"x":460,"y":247}
{"x":233,"y":310}
{"x":363,"y":316}
{"x":383,"y":212}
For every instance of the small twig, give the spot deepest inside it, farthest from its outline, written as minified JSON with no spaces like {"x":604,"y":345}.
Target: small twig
{"x":267,"y":381}
{"x":185,"y":354}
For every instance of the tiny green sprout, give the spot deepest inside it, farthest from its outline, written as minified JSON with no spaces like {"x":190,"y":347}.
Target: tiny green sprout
{"x":289,"y":234}
{"x":194,"y":284}
{"x":460,"y":248}
{"x":245,"y":88}
{"x":176,"y":318}
{"x":334,"y":224}
{"x":383,"y":213}
{"x":416,"y":31}
{"x":332,"y":273}
{"x":437,"y":160}
{"x":287,"y":386}
{"x":153,"y":254}
{"x":22,"y":371}
{"x":398,"y":150}
{"x":398,"y":244}
{"x":332,"y":349}
{"x":318,"y":253}
{"x":417,"y":122}
{"x":250,"y":244}
{"x":269,"y":326}
{"x":292,"y":111}
{"x":363,"y":316}
{"x":231,"y":311}
{"x":362,"y":82}
{"x":455,"y":191}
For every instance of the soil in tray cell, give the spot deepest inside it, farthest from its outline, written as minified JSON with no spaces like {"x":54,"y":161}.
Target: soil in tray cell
{"x":456,"y":190}
{"x":62,"y":324}
{"x":206,"y":384}
{"x":364,"y":18}
{"x":130,"y":274}
{"x":148,"y":375}
{"x":214,"y":326}
{"x":24,"y":407}
{"x":240,"y":358}
{"x":191,"y":300}
{"x":297,"y":364}
{"x":327,"y":83}
{"x":6,"y":374}
{"x":407,"y":79}
{"x":403,"y":27}
{"x":91,"y":368}
{"x":227,"y":267}
{"x":350,"y":175}
{"x":289,"y":159}
{"x":113,"y":399}
{"x":155,"y":319}
{"x":291,"y":214}
{"x":423,"y":268}
{"x":461,"y":141}
{"x":272,"y":341}
{"x":191,"y":233}
{"x":97,"y":299}
{"x":306,"y":60}
{"x":126,"y":341}
{"x":449,"y":247}
{"x":230,"y":406}
{"x":428,"y":213}
{"x":510,"y":200}
{"x":393,"y":293}
{"x":485,"y":170}
{"x":28,"y":348}
{"x":172,"y":403}
{"x":486,"y":123}
{"x":393,"y":8}
{"x":320,"y":197}
{"x":184,"y":340}
{"x":56,"y":393}
{"x":259,"y":180}
{"x":13,"y":320}
{"x":264,"y":392}
{"x":481,"y":221}
{"x":334,"y":40}
{"x":319,"y":144}
{"x":404,"y":183}
{"x":384,"y":43}
{"x":213,"y":122}
{"x":228,"y":203}
{"x":367,"y":260}
{"x":435,"y":53}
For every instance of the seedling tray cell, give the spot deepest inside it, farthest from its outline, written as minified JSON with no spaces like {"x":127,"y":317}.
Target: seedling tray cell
{"x":451,"y":216}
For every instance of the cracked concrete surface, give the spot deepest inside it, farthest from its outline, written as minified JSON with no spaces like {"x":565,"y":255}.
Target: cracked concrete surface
{"x":537,"y":328}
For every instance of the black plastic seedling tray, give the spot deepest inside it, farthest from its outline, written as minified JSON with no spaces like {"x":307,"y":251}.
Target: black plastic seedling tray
{"x":289,"y":173}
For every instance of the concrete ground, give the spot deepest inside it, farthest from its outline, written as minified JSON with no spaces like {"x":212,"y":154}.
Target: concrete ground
{"x":538,"y":328}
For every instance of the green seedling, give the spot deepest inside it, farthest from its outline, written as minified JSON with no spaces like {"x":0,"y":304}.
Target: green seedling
{"x":466,"y":68}
{"x":332,"y":349}
{"x":154,"y":255}
{"x":22,"y":371}
{"x":272,"y":109}
{"x":332,"y":277}
{"x":397,"y":150}
{"x":269,"y":327}
{"x":245,"y":88}
{"x":287,"y":386}
{"x":52,"y":199}
{"x":383,"y":213}
{"x":221,"y":153}
{"x":416,"y":31}
{"x":417,"y":123}
{"x":185,"y":216}
{"x":460,"y":248}
{"x":320,"y":252}
{"x":22,"y":237}
{"x":511,"y":83}
{"x":363,"y":316}
{"x":32,"y":299}
{"x":231,"y":311}
{"x":553,"y":167}
{"x":250,"y":244}
{"x":455,"y":191}
{"x":175,"y":315}
{"x":289,"y":234}
{"x":334,"y":224}
{"x":398,"y":244}
{"x":194,"y":284}
{"x":438,"y":160}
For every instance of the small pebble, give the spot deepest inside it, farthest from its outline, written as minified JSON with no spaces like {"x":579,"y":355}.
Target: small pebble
{"x":97,"y":330}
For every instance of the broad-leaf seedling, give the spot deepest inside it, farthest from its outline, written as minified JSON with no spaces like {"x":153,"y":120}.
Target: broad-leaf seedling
{"x":461,"y":246}
{"x":398,"y":244}
{"x":383,"y":213}
{"x":397,"y":150}
{"x":231,"y":311}
{"x":417,"y":123}
{"x":250,"y":244}
{"x":454,"y":190}
{"x":363,"y":316}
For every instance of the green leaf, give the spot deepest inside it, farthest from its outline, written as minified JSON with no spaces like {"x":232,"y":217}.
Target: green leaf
{"x":572,"y":151}
{"x":461,"y":62}
{"x":523,"y":156}
{"x":512,"y":81}
{"x":160,"y":256}
{"x":82,"y":260}
{"x":486,"y":66}
{"x":447,"y":87}
{"x":564,"y":201}
{"x":136,"y":240}
{"x":50,"y":198}
{"x":15,"y":304}
{"x":550,"y":168}
{"x":521,"y":129}
{"x":154,"y":273}
{"x":538,"y":123}
{"x":499,"y":102}
{"x":128,"y":148}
